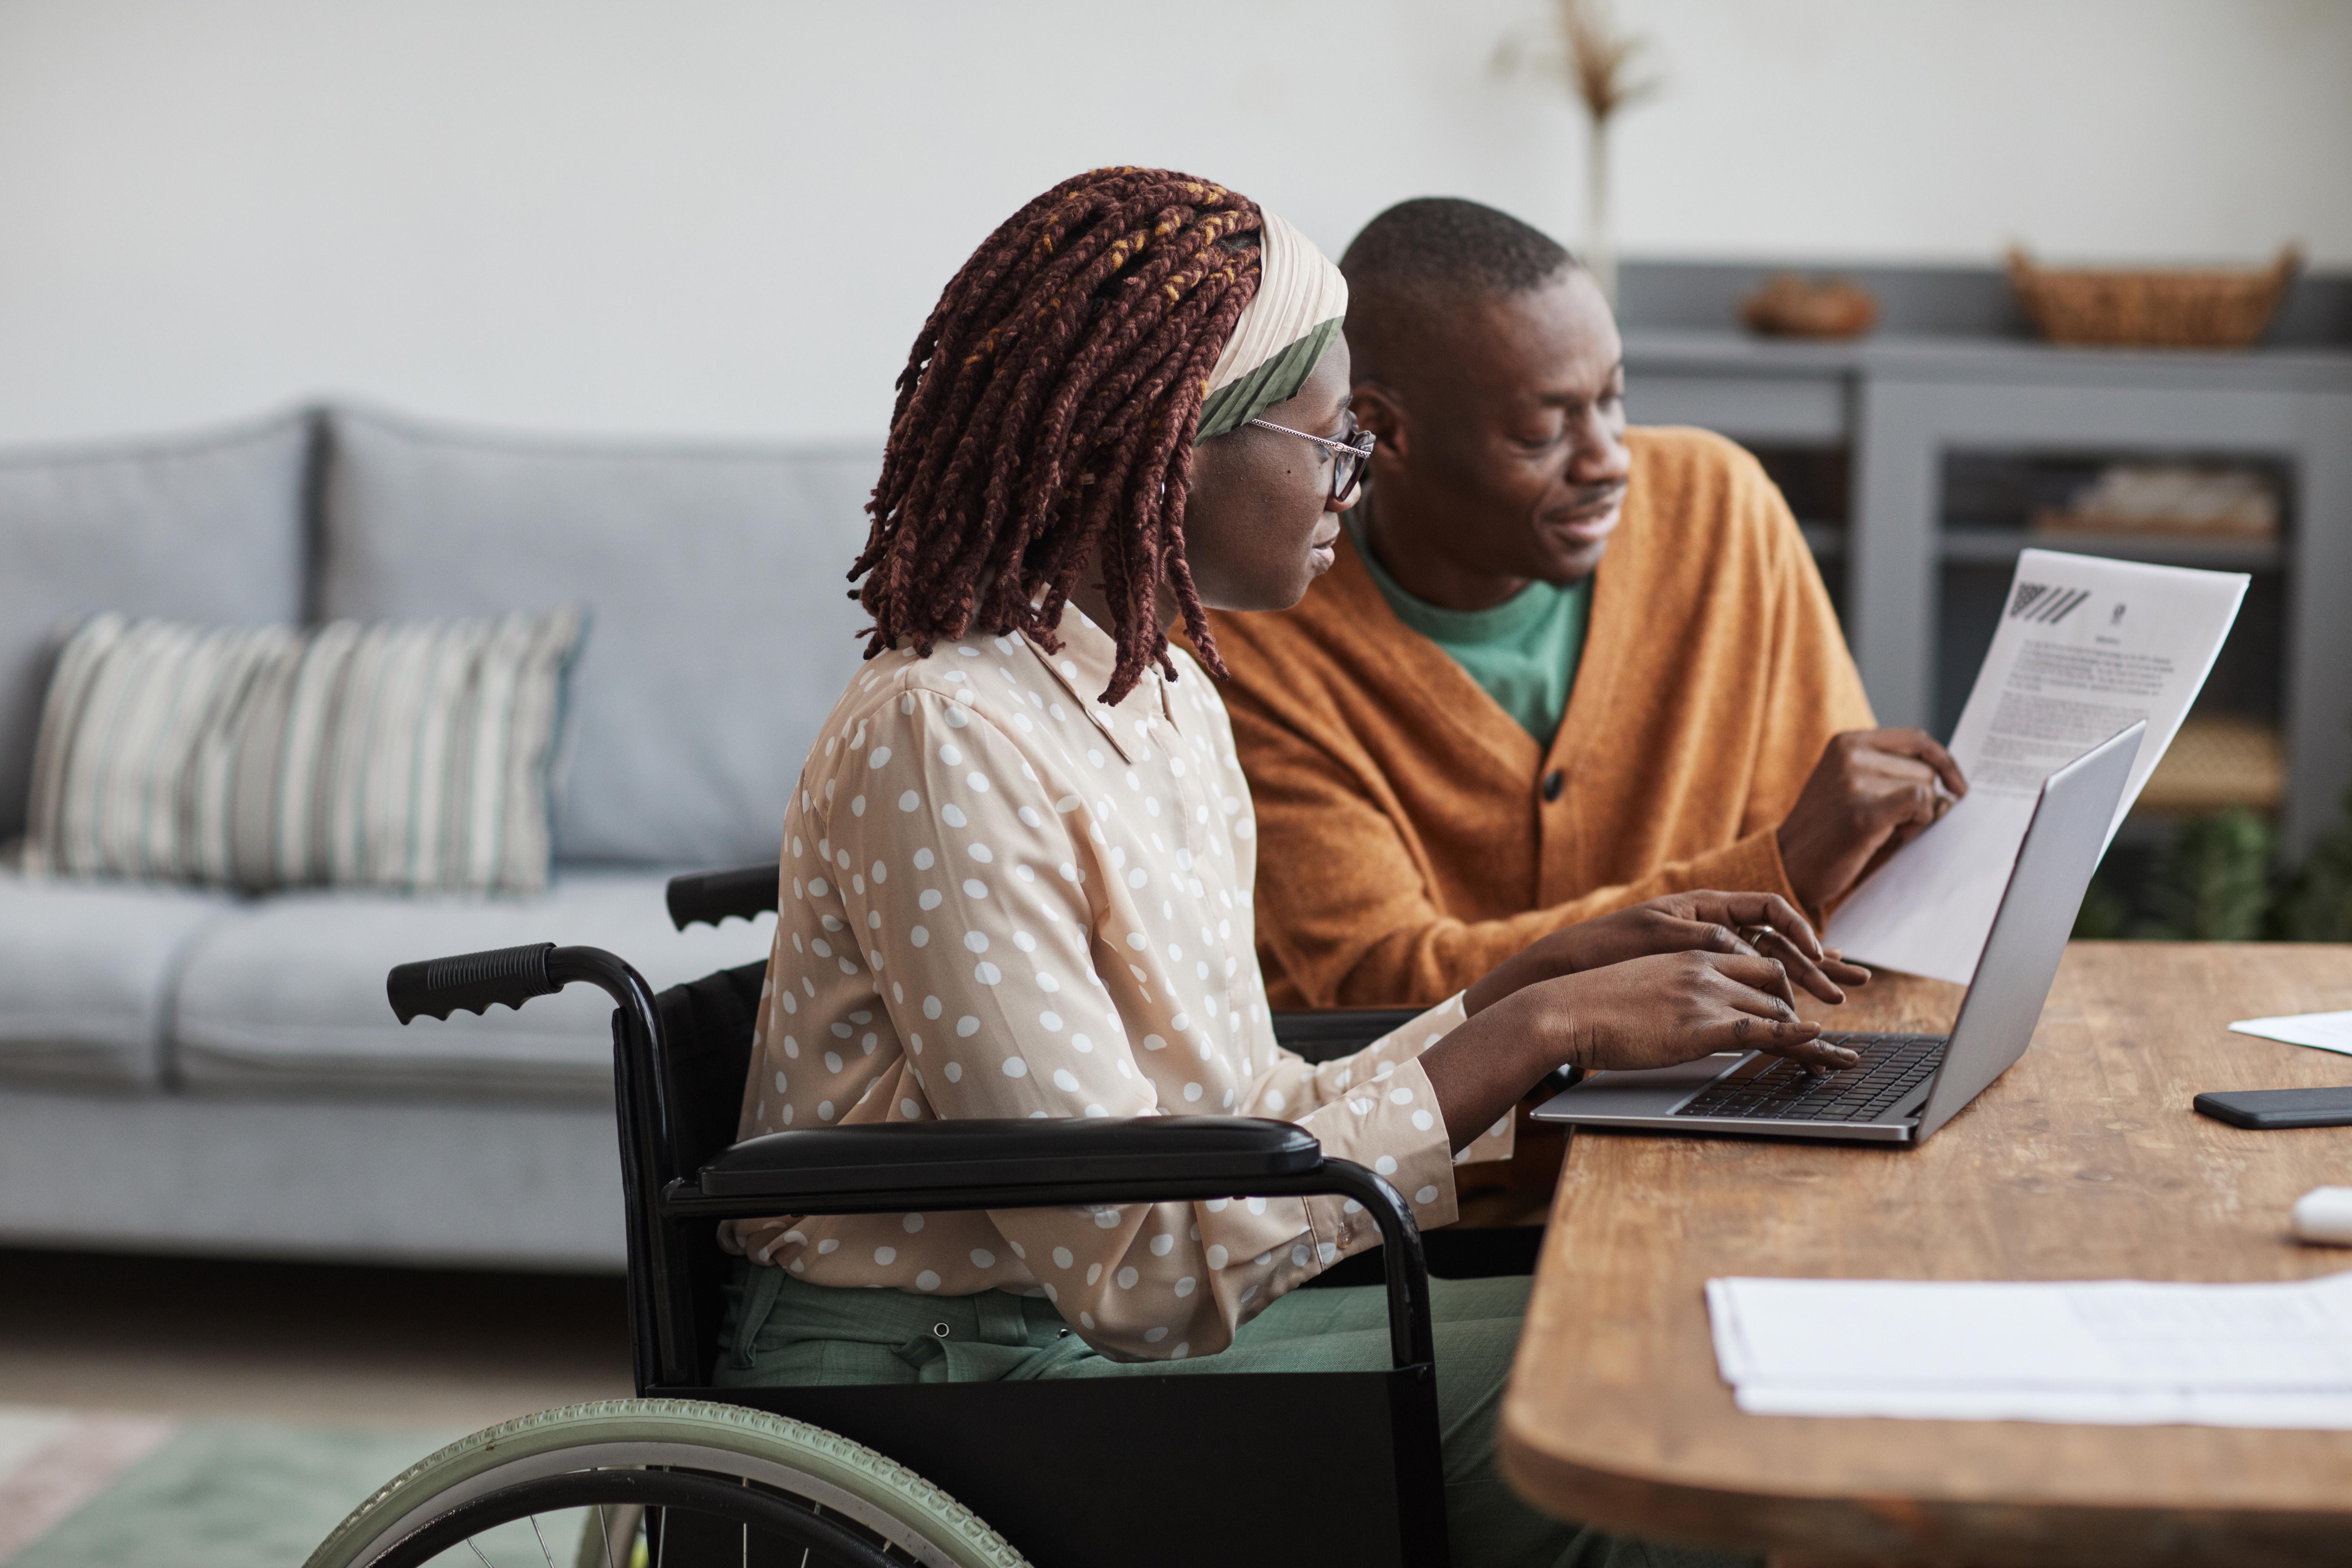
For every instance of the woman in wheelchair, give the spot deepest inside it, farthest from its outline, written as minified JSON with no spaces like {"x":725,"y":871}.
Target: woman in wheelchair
{"x":1017,"y":871}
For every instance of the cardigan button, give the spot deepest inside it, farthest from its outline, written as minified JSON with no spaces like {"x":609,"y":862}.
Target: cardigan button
{"x":1553,"y":782}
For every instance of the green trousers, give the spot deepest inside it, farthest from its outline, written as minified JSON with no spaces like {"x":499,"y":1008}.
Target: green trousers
{"x":782,"y":1332}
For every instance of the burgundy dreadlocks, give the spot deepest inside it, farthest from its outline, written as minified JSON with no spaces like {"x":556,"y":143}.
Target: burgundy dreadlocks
{"x":1046,"y":414}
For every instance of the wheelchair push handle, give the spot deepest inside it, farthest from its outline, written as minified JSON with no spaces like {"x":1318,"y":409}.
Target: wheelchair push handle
{"x":436,"y":987}
{"x":747,"y":892}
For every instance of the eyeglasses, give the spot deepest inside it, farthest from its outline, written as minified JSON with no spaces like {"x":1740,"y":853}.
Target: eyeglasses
{"x":1348,"y":456}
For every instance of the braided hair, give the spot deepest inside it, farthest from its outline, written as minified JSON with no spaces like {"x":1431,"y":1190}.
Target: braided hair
{"x":1046,"y":417}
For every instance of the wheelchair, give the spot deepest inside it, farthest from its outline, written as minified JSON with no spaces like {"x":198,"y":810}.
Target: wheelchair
{"x":986,"y":1475}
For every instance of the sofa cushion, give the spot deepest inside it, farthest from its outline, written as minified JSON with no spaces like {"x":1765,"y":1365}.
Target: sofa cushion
{"x":720,"y":635}
{"x":207,"y":528}
{"x":288,"y":993}
{"x":86,"y":972}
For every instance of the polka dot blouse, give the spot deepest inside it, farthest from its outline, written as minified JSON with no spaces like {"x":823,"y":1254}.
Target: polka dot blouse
{"x":1002,"y":897}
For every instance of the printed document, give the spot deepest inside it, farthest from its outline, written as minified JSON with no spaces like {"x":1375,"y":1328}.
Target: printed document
{"x":2322,"y":1031}
{"x":2119,"y":1352}
{"x":2086,"y":646}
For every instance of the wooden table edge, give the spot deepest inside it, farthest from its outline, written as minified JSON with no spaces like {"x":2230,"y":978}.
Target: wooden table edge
{"x":1864,"y":1528}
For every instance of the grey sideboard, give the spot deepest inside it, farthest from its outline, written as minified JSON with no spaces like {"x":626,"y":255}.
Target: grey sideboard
{"x":1895,"y":420}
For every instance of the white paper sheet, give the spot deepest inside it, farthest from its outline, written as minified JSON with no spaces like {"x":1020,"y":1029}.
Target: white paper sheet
{"x":2323,"y":1031}
{"x":2121,"y":1352}
{"x":2085,"y":647}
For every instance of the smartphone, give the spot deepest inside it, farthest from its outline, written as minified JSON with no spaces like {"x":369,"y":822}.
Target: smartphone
{"x":2269,"y":1108}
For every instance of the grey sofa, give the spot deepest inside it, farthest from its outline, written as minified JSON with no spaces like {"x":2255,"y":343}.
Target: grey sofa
{"x":188,"y":1071}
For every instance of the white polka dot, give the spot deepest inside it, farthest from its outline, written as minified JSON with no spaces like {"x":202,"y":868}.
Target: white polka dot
{"x":1024,"y":941}
{"x":932,"y":898}
{"x":1015,"y":1067}
{"x":1135,"y":878}
{"x":1126,"y":1278}
{"x":981,"y":853}
{"x":1153,"y":1336}
{"x":1192,"y":1091}
{"x":1386,"y":1166}
{"x":1162,"y":1244}
{"x":827,"y":1245}
{"x":1046,"y":983}
{"x":1184,"y":1285}
{"x":910,"y":801}
{"x":931,"y":1008}
{"x":1400,"y":1096}
{"x":1063,"y":1257}
{"x":833,"y":1061}
{"x":1051,"y":1020}
{"x":879,"y":755}
{"x":953,"y":816}
{"x":1065,"y":1080}
{"x":1422,"y":1120}
{"x":919,"y":936}
{"x":1094,"y":1272}
{"x":910,"y":1111}
{"x":857,"y":806}
{"x":1298,"y":1256}
{"x":911,"y":1223}
{"x":986,"y":972}
{"x":978,"y":781}
{"x":1104,"y":1218}
{"x":825,"y":1110}
{"x":967,"y":1026}
{"x":982,"y":1258}
{"x":926,"y":1281}
{"x":976,"y":942}
{"x":923,"y":860}
{"x":1325,"y":1252}
{"x":1217,"y":1255}
{"x":1426,"y":1196}
{"x":973,"y":888}
{"x":780,"y":1083}
{"x":1275,"y":1101}
{"x":885,"y":1255}
{"x":951,"y":756}
{"x":955,"y":1072}
{"x":817,"y":888}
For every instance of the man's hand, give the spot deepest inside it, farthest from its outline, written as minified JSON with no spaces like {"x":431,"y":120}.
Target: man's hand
{"x":1747,"y":924}
{"x":1873,"y":792}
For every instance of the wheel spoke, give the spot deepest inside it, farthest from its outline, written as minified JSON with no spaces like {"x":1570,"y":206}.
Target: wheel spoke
{"x":544,"y":1551}
{"x":476,"y":1551}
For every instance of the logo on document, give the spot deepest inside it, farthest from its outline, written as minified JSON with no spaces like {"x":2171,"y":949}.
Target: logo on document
{"x":2040,"y":603}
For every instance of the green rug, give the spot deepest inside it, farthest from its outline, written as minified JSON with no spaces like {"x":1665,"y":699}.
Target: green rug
{"x":114,"y":1492}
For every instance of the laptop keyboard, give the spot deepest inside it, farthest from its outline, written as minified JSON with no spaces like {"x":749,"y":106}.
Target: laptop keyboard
{"x":1892,"y":1066}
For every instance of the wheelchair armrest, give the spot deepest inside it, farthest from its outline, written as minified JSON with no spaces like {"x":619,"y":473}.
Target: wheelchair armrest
{"x":925,"y":1156}
{"x":746,"y":892}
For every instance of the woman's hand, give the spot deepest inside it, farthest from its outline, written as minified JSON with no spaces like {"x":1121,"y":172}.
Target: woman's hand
{"x":1648,"y":1012}
{"x":1741,"y":924}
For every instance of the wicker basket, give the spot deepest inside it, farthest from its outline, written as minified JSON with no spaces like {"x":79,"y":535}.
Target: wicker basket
{"x":2206,"y":310}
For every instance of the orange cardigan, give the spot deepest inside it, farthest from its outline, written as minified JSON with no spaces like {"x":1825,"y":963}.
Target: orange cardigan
{"x":1405,"y":846}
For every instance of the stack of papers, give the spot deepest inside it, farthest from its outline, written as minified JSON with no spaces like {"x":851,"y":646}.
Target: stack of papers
{"x":2121,"y":1352}
{"x":2322,"y":1031}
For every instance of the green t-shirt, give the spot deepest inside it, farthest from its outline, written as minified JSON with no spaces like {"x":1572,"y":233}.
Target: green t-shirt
{"x":1523,"y":653}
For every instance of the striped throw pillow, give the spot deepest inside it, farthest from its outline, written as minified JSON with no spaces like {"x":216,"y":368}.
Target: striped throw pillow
{"x":409,"y":755}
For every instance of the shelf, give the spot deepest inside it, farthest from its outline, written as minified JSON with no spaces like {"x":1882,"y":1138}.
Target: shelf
{"x":1999,"y":547}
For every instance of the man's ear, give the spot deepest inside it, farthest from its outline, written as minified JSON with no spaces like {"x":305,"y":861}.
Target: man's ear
{"x":1379,"y":410}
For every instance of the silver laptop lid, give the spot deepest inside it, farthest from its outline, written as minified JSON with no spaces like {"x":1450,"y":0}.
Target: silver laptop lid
{"x":2062,"y":845}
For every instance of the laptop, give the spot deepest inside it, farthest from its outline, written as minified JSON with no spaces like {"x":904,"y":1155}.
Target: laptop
{"x":1906,"y":1086}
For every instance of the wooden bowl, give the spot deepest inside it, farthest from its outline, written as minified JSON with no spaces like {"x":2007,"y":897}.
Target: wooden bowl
{"x":1789,"y":306}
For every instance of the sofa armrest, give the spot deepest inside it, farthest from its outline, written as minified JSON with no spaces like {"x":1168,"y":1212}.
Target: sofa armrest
{"x":925,"y":1156}
{"x":747,"y":892}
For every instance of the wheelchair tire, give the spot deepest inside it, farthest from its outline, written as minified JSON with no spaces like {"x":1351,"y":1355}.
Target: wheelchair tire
{"x":819,"y":1487}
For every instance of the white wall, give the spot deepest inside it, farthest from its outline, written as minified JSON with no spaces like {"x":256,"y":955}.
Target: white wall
{"x":728,"y":216}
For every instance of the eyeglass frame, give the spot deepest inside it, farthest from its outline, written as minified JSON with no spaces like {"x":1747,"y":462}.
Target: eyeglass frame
{"x":1359,"y":446}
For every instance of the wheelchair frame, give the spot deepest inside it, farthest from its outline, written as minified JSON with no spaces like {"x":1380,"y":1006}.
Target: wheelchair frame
{"x":1268,"y":1455}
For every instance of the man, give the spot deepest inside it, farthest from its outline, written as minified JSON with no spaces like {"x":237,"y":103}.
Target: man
{"x":1558,"y":666}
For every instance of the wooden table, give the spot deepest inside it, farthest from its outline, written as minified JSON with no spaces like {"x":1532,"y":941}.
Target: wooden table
{"x":2085,"y":1161}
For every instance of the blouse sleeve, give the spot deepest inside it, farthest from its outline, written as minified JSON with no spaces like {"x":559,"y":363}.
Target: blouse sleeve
{"x":980,"y":895}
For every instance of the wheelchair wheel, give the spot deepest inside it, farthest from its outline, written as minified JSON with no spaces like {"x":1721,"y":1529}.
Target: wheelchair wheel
{"x":667,"y":1483}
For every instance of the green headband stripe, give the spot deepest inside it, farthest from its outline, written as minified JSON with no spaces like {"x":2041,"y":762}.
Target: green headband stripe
{"x":1237,"y":403}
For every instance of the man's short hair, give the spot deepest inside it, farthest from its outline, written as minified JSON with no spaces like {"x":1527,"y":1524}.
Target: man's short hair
{"x":1437,"y":246}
